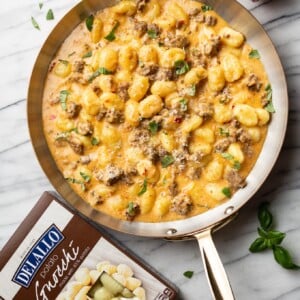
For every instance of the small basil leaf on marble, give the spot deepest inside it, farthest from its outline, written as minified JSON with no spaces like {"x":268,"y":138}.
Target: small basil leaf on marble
{"x":258,"y":245}
{"x":264,"y":216}
{"x":35,"y":23}
{"x":188,"y":274}
{"x":50,"y":15}
{"x":283,"y":258}
{"x":41,"y":4}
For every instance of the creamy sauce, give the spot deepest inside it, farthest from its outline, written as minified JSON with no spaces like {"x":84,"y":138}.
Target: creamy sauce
{"x":157,"y":113}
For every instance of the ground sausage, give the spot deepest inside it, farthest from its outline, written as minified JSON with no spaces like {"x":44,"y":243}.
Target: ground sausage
{"x":234,"y":178}
{"x":178,"y":41}
{"x":76,"y":144}
{"x":141,"y":4}
{"x":181,"y":204}
{"x":110,"y":175}
{"x":222,"y":144}
{"x":79,"y":66}
{"x":253,"y":83}
{"x":84,"y":127}
{"x":72,"y":110}
{"x":205,"y":110}
{"x":114,"y":116}
{"x":132,"y":211}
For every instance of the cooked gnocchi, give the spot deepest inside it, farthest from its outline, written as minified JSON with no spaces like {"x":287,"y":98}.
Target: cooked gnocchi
{"x":156,"y":112}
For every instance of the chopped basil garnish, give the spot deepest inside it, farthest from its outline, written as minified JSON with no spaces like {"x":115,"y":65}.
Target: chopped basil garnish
{"x":271,"y":239}
{"x":269,"y":94}
{"x":153,"y":127}
{"x":226,"y":155}
{"x":71,"y":54}
{"x":167,"y":160}
{"x":63,"y":61}
{"x":236,"y":165}
{"x":88,"y":54}
{"x":188,"y":274}
{"x":224,"y":131}
{"x":89,"y":22}
{"x":97,"y":73}
{"x":35,"y":23}
{"x":86,"y":177}
{"x":183,"y":104}
{"x":131,"y":209}
{"x":63,"y":96}
{"x":152,"y":34}
{"x":254,"y":54}
{"x":50,"y":15}
{"x":76,"y":181}
{"x":65,"y":134}
{"x":94,"y":141}
{"x":144,"y":188}
{"x":191,"y":91}
{"x":206,"y":8}
{"x":111,"y":36}
{"x":181,"y":67}
{"x":226,"y":191}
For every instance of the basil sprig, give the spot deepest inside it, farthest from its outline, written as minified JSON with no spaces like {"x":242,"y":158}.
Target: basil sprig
{"x":89,"y":22}
{"x":181,"y":67}
{"x":111,"y":36}
{"x":254,"y":54}
{"x":271,"y":239}
{"x":144,"y":188}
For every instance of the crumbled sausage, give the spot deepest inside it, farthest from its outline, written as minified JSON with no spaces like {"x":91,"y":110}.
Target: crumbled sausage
{"x":110,"y":175}
{"x":243,"y":136}
{"x":79,"y":66}
{"x":72,"y":110}
{"x":194,"y":11}
{"x":183,"y":140}
{"x":123,"y":90}
{"x":139,"y":137}
{"x":205,"y":110}
{"x":101,"y":114}
{"x":173,"y":188}
{"x":76,"y":144}
{"x":198,"y":58}
{"x":212,"y":46}
{"x":178,"y":41}
{"x":114,"y":116}
{"x":209,"y":20}
{"x":180,"y":159}
{"x":253,"y":83}
{"x":222,"y":144}
{"x":152,"y":153}
{"x":141,"y":4}
{"x":148,"y":70}
{"x":84,"y":128}
{"x":132,"y":211}
{"x":193,"y":172}
{"x":85,"y":160}
{"x":96,"y":198}
{"x":196,"y":157}
{"x":181,"y":204}
{"x":140,"y":27}
{"x":164,"y":74}
{"x":234,"y":178}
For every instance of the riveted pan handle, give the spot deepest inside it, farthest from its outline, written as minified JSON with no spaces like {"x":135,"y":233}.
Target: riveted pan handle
{"x":215,"y":272}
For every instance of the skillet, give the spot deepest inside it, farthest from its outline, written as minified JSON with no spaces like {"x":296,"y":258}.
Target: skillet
{"x":201,"y":226}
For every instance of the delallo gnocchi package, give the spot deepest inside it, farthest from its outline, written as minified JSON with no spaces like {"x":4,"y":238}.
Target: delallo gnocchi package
{"x":56,"y":254}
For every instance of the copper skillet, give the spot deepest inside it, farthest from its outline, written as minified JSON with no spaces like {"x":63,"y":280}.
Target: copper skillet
{"x":201,"y":226}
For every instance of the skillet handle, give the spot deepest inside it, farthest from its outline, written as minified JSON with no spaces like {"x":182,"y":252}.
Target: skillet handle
{"x":214,"y":269}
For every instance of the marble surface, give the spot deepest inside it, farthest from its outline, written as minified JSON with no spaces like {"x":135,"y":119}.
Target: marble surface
{"x":252,"y":276}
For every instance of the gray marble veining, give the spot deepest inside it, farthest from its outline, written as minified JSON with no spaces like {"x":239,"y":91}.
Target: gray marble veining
{"x":253,"y":276}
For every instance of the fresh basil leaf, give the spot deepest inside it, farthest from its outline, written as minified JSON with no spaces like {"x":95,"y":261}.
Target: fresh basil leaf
{"x":258,"y":245}
{"x":183,"y":104}
{"x":76,"y":181}
{"x":224,"y":131}
{"x":144,"y":188}
{"x":41,"y":4}
{"x":226,"y":191}
{"x":270,"y":107}
{"x":63,"y":61}
{"x":88,"y":54}
{"x":86,"y":177}
{"x":152,"y":34}
{"x":94,"y":141}
{"x":153,"y":127}
{"x":227,"y":155}
{"x":35,"y":23}
{"x":206,"y":8}
{"x":188,"y":274}
{"x":63,"y":97}
{"x":271,"y":237}
{"x":167,"y":160}
{"x":236,"y":165}
{"x":283,"y":258}
{"x":71,"y":54}
{"x":50,"y":15}
{"x":264,"y":216}
{"x":111,"y":36}
{"x":131,"y":209}
{"x":89,"y":22}
{"x":254,"y":54}
{"x":181,"y":67}
{"x":97,"y":73}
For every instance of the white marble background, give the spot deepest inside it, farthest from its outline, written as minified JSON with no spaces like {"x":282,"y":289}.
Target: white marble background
{"x":253,"y":276}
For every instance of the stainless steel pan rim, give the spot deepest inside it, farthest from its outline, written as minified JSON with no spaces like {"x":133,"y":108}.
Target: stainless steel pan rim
{"x":199,"y":226}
